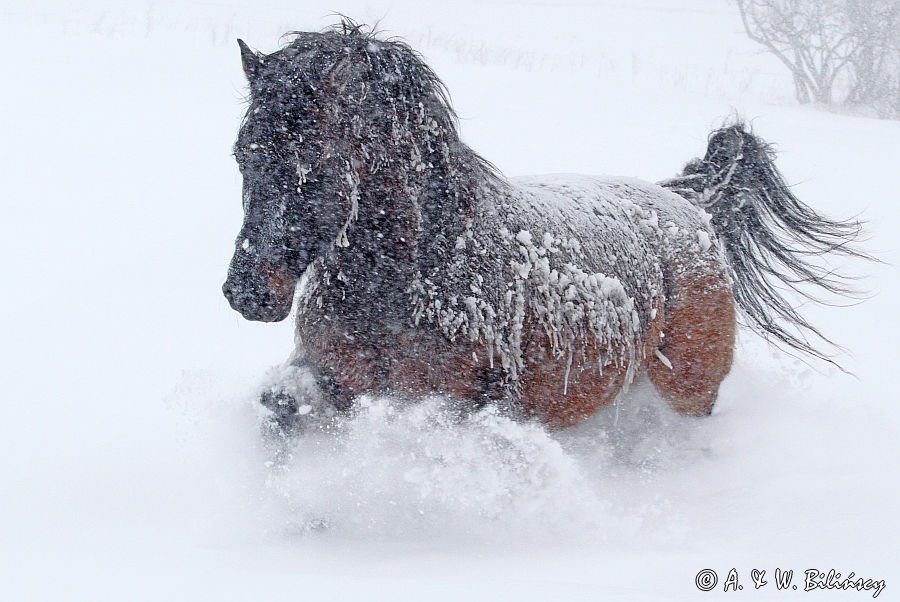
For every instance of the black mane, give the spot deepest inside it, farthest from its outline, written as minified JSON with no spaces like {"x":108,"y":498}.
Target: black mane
{"x":348,"y":29}
{"x":390,"y":58}
{"x":396,"y":82}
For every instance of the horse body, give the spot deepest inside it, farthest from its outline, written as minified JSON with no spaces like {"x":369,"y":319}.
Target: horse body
{"x":426,"y":271}
{"x":551,"y":298}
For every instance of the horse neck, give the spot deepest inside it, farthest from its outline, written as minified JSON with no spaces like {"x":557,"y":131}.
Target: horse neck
{"x":408,"y":223}
{"x":448,"y":199}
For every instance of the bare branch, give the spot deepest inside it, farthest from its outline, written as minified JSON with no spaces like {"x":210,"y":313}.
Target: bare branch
{"x":846,"y":47}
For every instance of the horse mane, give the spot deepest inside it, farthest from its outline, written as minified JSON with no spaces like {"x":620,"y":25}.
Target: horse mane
{"x":391,"y":57}
{"x":438,"y":89}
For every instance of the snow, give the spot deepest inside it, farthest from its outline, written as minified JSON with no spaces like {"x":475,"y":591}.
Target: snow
{"x":666,"y":361}
{"x":353,"y":183}
{"x":524,"y":237}
{"x":132,"y":465}
{"x":601,"y":294}
{"x":703,"y":240}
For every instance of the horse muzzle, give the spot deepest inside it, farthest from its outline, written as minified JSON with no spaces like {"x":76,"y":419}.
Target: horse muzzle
{"x":267,"y":301}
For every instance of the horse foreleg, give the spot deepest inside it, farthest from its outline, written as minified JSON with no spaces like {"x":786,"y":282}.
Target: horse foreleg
{"x":695,"y":352}
{"x":301,"y":392}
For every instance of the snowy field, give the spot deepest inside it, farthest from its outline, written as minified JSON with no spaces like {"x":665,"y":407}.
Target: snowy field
{"x":130,"y":459}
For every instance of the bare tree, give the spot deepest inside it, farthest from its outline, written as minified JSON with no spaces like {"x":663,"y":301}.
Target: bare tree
{"x":809,"y":36}
{"x":849,"y":48}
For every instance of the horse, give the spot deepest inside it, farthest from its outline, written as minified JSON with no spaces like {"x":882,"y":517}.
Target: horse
{"x":419,"y":269}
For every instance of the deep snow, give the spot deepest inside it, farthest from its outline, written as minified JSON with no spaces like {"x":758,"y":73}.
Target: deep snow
{"x":131,"y":462}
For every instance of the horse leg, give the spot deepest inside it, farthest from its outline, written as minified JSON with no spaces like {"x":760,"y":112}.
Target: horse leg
{"x":563,"y":391}
{"x":697,"y":343}
{"x":301,"y":388}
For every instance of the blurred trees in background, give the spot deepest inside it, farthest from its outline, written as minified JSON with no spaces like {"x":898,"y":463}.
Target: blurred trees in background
{"x":838,"y":51}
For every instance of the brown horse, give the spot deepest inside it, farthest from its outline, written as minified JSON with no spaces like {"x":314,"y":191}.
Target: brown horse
{"x":422,"y":270}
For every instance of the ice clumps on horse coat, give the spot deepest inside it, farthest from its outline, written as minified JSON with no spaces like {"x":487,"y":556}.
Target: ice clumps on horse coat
{"x":536,"y":272}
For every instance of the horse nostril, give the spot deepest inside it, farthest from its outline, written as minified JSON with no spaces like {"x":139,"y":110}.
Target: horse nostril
{"x":228,"y":292}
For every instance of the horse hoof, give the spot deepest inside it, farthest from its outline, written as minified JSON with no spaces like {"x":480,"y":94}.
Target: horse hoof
{"x":279,"y":403}
{"x":284,"y":421}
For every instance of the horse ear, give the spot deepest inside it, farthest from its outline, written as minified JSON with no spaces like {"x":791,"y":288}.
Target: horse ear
{"x":250,"y":59}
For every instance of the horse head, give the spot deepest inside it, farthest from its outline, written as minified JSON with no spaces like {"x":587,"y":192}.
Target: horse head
{"x":333,"y":117}
{"x":292,"y":213}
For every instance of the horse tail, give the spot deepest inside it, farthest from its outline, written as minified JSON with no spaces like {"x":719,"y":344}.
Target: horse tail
{"x":771,"y":240}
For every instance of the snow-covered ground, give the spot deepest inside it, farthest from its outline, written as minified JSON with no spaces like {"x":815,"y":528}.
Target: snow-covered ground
{"x":130,"y":463}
